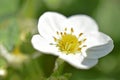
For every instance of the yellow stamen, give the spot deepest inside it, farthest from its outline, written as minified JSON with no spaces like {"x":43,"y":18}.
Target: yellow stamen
{"x":84,"y":40}
{"x":72,"y":30}
{"x":55,"y":39}
{"x":61,"y":33}
{"x":80,"y":42}
{"x":84,"y":46}
{"x":80,"y":34}
{"x":57,"y":33}
{"x":65,"y":33}
{"x":16,"y":51}
{"x":68,"y":43}
{"x":65,"y":29}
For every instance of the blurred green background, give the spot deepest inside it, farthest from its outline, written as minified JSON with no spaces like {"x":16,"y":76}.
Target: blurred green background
{"x":18,"y":22}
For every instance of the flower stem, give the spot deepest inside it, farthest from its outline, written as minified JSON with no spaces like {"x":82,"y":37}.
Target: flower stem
{"x":59,"y":66}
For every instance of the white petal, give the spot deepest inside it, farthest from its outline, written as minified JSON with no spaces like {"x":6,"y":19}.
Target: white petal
{"x":100,"y":51}
{"x":49,"y":23}
{"x":96,"y":38}
{"x":78,"y":61}
{"x":43,"y":45}
{"x":89,"y":62}
{"x":83,"y":23}
{"x":3,"y":72}
{"x":4,"y":53}
{"x":12,"y":58}
{"x":100,"y":46}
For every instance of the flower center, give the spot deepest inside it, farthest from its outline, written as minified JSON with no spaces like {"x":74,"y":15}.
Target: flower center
{"x":68,"y":42}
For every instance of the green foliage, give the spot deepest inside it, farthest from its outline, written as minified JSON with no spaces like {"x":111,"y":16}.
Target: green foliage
{"x":28,"y":71}
{"x":58,"y":71}
{"x":108,"y":18}
{"x":26,"y":46}
{"x":9,"y":34}
{"x":3,"y":63}
{"x":8,"y":8}
{"x":66,"y":76}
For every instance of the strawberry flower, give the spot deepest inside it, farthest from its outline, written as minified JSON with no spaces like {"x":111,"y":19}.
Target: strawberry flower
{"x":14,"y":58}
{"x":75,"y":39}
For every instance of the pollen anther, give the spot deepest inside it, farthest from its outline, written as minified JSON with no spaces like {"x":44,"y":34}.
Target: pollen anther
{"x":61,"y":33}
{"x":72,"y":30}
{"x":55,"y":39}
{"x":80,"y":34}
{"x":68,"y":42}
{"x":65,"y":29}
{"x":57,"y":33}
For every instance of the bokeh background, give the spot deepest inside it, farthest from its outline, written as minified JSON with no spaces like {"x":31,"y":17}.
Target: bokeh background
{"x":18,"y":22}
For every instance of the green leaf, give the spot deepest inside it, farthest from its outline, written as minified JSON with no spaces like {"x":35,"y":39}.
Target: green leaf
{"x":108,"y":17}
{"x":7,"y":8}
{"x":30,"y":8}
{"x":3,"y":63}
{"x":9,"y":34}
{"x":70,"y":7}
{"x":28,"y":71}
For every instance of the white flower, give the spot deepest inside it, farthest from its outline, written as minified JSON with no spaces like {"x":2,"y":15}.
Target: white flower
{"x":2,"y":72}
{"x":15,"y":58}
{"x":75,"y":39}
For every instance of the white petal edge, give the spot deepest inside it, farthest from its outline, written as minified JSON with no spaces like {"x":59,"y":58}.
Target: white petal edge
{"x":43,"y":45}
{"x":96,"y":39}
{"x":83,"y":23}
{"x":78,"y":61}
{"x":101,"y":50}
{"x":49,"y":23}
